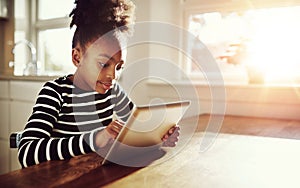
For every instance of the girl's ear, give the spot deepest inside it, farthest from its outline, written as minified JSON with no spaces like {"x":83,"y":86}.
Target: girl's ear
{"x":76,"y":56}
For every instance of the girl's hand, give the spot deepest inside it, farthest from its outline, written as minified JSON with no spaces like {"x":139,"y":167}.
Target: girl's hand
{"x":108,"y":134}
{"x":114,"y":128}
{"x":170,"y":139}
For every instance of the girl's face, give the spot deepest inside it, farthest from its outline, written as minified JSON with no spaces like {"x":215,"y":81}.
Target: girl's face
{"x":98,"y":66}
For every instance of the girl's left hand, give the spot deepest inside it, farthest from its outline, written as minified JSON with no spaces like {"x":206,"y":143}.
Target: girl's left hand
{"x":170,"y":139}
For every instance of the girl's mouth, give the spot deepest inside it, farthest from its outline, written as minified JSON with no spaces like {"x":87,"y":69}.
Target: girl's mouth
{"x":106,"y":85}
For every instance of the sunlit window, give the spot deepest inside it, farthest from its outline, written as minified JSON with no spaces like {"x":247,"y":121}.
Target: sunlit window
{"x":264,"y":42}
{"x":49,"y":9}
{"x":21,"y":56}
{"x":49,"y":32}
{"x":55,"y":49}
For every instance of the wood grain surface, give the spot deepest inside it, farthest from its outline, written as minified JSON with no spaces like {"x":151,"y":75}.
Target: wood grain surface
{"x":86,"y":170}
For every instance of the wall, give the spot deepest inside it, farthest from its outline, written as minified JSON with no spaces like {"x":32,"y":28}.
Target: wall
{"x":277,"y":102}
{"x":139,"y":63}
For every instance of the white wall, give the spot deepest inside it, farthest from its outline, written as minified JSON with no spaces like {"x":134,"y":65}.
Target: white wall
{"x":139,"y":65}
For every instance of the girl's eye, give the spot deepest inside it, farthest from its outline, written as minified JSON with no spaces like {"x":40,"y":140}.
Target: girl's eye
{"x":103,"y":65}
{"x":119,"y":68}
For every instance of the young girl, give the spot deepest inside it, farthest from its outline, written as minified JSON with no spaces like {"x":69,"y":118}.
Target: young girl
{"x":73,"y":115}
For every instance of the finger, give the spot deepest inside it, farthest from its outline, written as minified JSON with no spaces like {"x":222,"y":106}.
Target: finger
{"x":116,"y":129}
{"x":173,"y":139}
{"x":113,"y":130}
{"x":175,"y":128}
{"x":169,"y":144}
{"x":116,"y":126}
{"x":175,"y":134}
{"x":171,"y":130}
{"x":112,"y":133}
{"x":119,"y":122}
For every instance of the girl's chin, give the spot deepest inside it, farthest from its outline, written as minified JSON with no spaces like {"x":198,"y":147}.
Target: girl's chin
{"x":100,"y":90}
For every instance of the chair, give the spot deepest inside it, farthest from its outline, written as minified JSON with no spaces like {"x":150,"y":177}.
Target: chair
{"x":14,"y":139}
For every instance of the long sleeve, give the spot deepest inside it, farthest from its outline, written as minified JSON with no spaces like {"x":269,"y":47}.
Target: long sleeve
{"x":38,"y":143}
{"x":123,"y":104}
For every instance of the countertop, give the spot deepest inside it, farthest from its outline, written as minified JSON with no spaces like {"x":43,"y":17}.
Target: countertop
{"x":27,"y":78}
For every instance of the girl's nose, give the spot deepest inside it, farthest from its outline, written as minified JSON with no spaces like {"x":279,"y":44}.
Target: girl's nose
{"x":111,"y":74}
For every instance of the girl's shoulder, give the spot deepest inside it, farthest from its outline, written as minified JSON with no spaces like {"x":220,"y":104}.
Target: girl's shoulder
{"x":59,"y":84}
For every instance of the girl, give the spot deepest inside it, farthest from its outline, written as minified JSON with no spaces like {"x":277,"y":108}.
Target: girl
{"x":73,"y":114}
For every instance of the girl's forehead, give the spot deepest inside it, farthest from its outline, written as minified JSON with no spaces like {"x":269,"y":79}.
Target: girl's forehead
{"x":108,"y":46}
{"x":108,"y":40}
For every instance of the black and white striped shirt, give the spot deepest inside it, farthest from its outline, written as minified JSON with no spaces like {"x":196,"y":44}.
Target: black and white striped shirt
{"x":65,"y":120}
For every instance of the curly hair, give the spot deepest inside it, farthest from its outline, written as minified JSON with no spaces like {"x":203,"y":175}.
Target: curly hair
{"x":94,"y":18}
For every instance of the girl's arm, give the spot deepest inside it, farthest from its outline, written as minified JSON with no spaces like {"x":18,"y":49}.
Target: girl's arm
{"x":123,"y":103}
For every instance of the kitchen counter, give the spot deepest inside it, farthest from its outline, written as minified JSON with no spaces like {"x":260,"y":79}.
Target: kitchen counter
{"x":27,"y":78}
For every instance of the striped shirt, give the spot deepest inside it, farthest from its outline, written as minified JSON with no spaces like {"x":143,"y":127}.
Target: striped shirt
{"x":65,"y":120}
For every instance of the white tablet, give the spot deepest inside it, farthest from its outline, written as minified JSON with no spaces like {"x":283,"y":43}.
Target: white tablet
{"x":144,"y":130}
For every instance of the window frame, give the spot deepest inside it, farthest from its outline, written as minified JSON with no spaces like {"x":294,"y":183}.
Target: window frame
{"x":31,"y":25}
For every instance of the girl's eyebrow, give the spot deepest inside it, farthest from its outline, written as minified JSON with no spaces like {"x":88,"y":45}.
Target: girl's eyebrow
{"x":112,"y":58}
{"x":105,"y":55}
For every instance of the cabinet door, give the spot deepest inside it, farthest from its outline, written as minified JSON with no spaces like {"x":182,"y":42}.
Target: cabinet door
{"x":19,"y":112}
{"x":4,"y":119}
{"x":4,"y":157}
{"x":23,"y":95}
{"x":14,"y":161}
{"x":4,"y":93}
{"x":4,"y":110}
{"x":4,"y":127}
{"x":25,"y":90}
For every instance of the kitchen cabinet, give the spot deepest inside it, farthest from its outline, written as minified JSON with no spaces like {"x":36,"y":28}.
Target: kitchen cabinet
{"x":4,"y":127}
{"x":16,"y":101}
{"x":22,"y":98}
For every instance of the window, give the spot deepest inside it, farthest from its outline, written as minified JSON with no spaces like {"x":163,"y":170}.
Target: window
{"x":45,"y":25}
{"x":259,"y":43}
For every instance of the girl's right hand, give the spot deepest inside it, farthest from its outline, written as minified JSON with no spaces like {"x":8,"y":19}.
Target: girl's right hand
{"x":109,"y":133}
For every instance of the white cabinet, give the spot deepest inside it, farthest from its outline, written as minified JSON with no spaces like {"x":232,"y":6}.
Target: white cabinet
{"x":16,"y":101}
{"x":22,"y":98}
{"x":4,"y":126}
{"x":4,"y":135}
{"x":4,"y":118}
{"x":25,"y":91}
{"x":19,"y":112}
{"x":4,"y":156}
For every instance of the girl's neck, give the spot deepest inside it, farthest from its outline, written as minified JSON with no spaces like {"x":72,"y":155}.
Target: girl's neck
{"x":79,"y":83}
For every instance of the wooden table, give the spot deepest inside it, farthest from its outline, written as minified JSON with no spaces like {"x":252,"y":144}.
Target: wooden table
{"x":232,"y":161}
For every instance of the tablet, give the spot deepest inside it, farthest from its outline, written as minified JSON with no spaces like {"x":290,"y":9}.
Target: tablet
{"x":144,"y":130}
